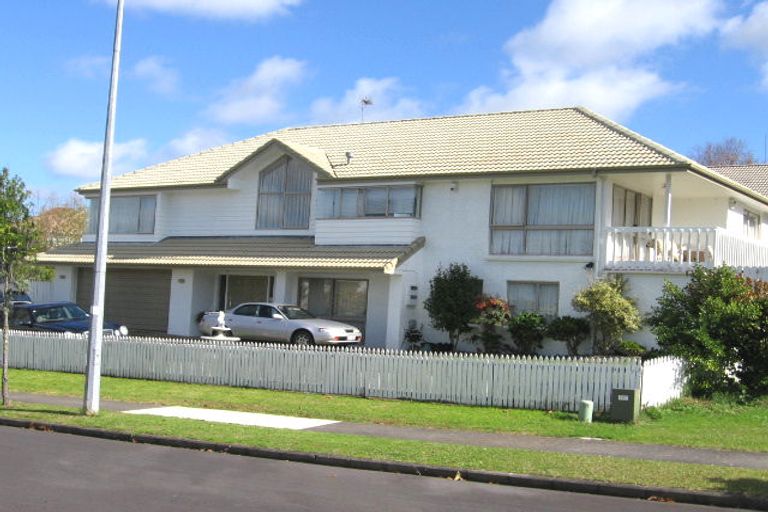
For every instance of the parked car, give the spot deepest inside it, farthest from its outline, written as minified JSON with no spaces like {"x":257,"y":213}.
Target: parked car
{"x":17,"y":298}
{"x":65,"y":317}
{"x":281,"y":322}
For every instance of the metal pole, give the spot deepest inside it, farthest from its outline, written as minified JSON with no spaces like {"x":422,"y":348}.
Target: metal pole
{"x":93,"y":375}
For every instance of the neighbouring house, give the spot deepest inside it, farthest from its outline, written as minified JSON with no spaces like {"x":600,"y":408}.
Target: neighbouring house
{"x":352,"y":221}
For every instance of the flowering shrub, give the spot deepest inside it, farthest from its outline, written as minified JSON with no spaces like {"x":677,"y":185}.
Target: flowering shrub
{"x":491,"y":310}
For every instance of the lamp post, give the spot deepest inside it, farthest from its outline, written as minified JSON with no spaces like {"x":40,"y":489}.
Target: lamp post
{"x":93,"y":374}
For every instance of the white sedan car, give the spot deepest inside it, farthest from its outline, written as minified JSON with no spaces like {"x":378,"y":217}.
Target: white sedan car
{"x":281,"y":322}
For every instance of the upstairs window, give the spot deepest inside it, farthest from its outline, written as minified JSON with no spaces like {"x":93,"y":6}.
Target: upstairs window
{"x":128,"y":215}
{"x":547,"y":220}
{"x":369,"y":202}
{"x":285,"y":192}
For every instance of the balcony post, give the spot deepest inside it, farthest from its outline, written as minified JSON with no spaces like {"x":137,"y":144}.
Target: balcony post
{"x":668,"y":200}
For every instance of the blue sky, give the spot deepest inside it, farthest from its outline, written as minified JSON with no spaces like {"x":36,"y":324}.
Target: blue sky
{"x":197,"y":73}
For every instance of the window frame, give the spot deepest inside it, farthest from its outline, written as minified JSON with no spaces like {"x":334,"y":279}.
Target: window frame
{"x":525,"y":227}
{"x":333,"y":313}
{"x":361,"y":200}
{"x":751,"y":214}
{"x":537,"y":287}
{"x":637,"y":205}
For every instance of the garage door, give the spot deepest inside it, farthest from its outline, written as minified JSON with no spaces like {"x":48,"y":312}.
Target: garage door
{"x":136,"y":298}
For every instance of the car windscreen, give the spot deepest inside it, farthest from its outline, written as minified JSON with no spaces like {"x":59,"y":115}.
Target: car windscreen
{"x":296,"y":313}
{"x":59,"y":313}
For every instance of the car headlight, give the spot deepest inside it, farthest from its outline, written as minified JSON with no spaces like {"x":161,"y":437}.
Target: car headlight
{"x":123,"y":330}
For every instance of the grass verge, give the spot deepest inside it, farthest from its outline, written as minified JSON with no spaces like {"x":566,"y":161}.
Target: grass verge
{"x":597,"y":468}
{"x":684,"y":423}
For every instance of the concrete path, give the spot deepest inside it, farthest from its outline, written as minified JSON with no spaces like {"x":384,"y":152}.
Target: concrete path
{"x":503,"y":440}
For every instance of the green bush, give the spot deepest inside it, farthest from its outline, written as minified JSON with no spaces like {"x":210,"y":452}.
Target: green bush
{"x":570,"y":330}
{"x":527,"y":331}
{"x":719,"y":324}
{"x":492,"y":313}
{"x":630,"y":348}
{"x":609,"y":311}
{"x":451,"y":301}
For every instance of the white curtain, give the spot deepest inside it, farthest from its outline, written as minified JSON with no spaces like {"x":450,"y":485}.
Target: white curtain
{"x":375,"y":202}
{"x":539,"y":298}
{"x":124,"y":215}
{"x":285,"y":196}
{"x":147,"y":214}
{"x":402,"y":201}
{"x":562,"y":205}
{"x":508,"y":206}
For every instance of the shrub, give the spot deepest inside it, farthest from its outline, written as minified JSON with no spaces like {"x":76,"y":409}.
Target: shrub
{"x":630,"y":348}
{"x":719,"y":324}
{"x":609,"y":311}
{"x":527,"y":331}
{"x":492,"y":312}
{"x":413,"y":338}
{"x":451,"y":301}
{"x":570,"y":330}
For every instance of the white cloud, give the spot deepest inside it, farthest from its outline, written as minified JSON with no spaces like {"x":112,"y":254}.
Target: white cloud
{"x":81,"y":158}
{"x":196,"y":140}
{"x":250,"y":10}
{"x":595,"y":53}
{"x":750,"y":33}
{"x":89,"y":66}
{"x":161,"y":78}
{"x":385,"y":93}
{"x":260,"y":97}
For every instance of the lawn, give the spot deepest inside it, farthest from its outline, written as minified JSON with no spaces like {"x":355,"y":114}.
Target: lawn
{"x":586,"y":467}
{"x":684,"y":423}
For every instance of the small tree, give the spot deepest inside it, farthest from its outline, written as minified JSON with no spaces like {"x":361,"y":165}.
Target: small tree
{"x":527,"y":331}
{"x":609,"y":311}
{"x":19,"y":241}
{"x":451,"y":301}
{"x":570,"y":330}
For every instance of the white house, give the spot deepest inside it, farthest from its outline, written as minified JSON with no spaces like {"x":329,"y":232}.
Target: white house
{"x":352,"y":221}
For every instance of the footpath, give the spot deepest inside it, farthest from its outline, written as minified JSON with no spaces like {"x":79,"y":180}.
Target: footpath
{"x":586,"y":446}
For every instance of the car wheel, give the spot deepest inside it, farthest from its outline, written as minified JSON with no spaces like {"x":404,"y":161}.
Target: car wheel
{"x":302,"y":337}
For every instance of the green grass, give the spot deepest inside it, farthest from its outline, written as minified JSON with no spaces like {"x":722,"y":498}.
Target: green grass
{"x":596,"y":468}
{"x":684,"y":423}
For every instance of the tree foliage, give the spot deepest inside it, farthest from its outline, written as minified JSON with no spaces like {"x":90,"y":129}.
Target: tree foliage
{"x":610,"y":313}
{"x":527,"y":331}
{"x":719,"y":324}
{"x":570,"y":330}
{"x":19,"y":242}
{"x":730,"y":151}
{"x":62,"y":221}
{"x":451,"y":301}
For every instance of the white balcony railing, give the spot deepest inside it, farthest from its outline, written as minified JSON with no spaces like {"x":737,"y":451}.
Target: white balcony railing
{"x":677,"y":249}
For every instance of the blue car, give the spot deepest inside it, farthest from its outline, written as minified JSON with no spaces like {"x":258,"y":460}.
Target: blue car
{"x":63,"y":317}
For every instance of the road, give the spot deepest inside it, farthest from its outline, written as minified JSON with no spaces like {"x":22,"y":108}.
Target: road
{"x":45,"y":471}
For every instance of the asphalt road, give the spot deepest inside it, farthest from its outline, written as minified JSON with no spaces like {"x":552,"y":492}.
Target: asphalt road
{"x":44,"y":471}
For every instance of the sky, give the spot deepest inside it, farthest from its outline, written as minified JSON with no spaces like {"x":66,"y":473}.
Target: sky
{"x":198,"y":73}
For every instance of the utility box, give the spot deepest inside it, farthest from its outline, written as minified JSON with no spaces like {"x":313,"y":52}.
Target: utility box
{"x":625,"y":405}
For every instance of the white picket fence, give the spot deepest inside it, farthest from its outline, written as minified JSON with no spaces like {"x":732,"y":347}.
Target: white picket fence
{"x":663,"y":380}
{"x":558,"y":383}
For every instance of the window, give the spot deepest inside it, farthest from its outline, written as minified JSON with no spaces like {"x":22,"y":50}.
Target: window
{"x":127,"y":215}
{"x":345,"y":300}
{"x":751,"y":224}
{"x":541,"y":298}
{"x":285,"y":192}
{"x":631,"y":208}
{"x":247,"y":310}
{"x":234,"y":290}
{"x":393,"y":201}
{"x":543,"y":219}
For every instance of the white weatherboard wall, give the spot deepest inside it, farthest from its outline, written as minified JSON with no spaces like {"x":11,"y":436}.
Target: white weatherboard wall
{"x":376,"y":231}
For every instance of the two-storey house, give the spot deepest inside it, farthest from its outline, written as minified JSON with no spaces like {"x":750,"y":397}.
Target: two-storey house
{"x":352,"y":221}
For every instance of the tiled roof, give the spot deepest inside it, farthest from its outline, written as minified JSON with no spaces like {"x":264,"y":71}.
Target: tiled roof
{"x":753,"y":176}
{"x":269,"y":252}
{"x":508,"y":142}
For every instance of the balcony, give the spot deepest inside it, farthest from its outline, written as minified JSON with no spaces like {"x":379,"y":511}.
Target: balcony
{"x":678,"y":249}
